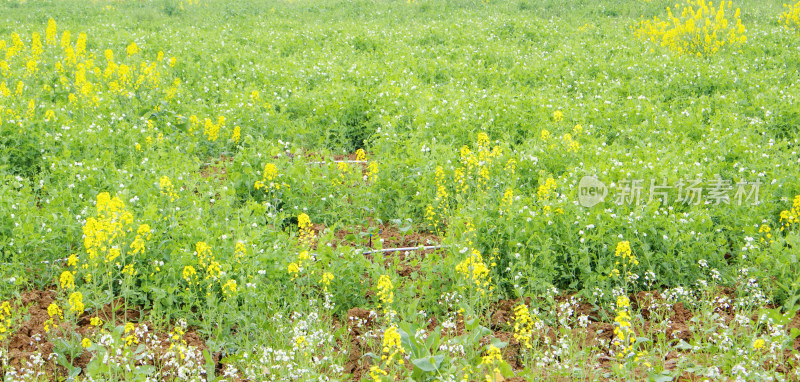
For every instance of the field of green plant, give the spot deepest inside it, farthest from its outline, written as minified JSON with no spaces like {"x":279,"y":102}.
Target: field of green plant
{"x":378,"y":190}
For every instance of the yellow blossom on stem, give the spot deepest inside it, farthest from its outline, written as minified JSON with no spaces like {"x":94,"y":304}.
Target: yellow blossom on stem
{"x":189,"y":274}
{"x":67,"y":280}
{"x":132,"y":49}
{"x":392,"y":346}
{"x":229,"y":288}
{"x":624,"y":338}
{"x":523,"y":325}
{"x":76,"y":302}
{"x":237,"y":134}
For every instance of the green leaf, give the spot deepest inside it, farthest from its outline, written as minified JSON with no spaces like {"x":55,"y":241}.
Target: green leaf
{"x":683,"y":345}
{"x":424,"y":364}
{"x":210,"y":366}
{"x":506,"y":370}
{"x":663,"y":377}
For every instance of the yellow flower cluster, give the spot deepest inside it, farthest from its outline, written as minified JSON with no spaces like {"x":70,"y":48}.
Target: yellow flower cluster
{"x":211,"y":129}
{"x":361,"y":155}
{"x":188,"y":3}
{"x":166,"y":188}
{"x":392,"y":346}
{"x":430,"y":216}
{"x":766,"y":230}
{"x":5,"y":319}
{"x":205,"y":272}
{"x":624,"y":250}
{"x":239,"y":252}
{"x":142,"y":233}
{"x":294,"y":268}
{"x":326,"y":279}
{"x":189,"y":274}
{"x":570,"y":144}
{"x":206,"y":260}
{"x":476,"y":272}
{"x":229,"y":288}
{"x":306,"y":232}
{"x":111,"y":222}
{"x":268,"y":180}
{"x":76,"y":302}
{"x":55,"y":313}
{"x":511,"y":166}
{"x":491,"y":361}
{"x":385,"y":293}
{"x":237,"y":134}
{"x":177,"y":341}
{"x":67,"y":280}
{"x":546,"y":190}
{"x":476,"y":165}
{"x":441,"y":191}
{"x":507,"y":201}
{"x":376,"y":373}
{"x":105,"y":238}
{"x":343,"y":168}
{"x":77,"y":71}
{"x":790,"y":217}
{"x":523,"y":325}
{"x":132,"y":49}
{"x":700,"y":29}
{"x":623,"y":331}
{"x":791,"y":17}
{"x":129,"y":335}
{"x":372,"y":171}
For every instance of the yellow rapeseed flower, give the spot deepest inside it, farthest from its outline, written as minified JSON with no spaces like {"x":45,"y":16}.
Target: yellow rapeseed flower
{"x":132,"y":49}
{"x":76,"y":302}
{"x":67,"y":280}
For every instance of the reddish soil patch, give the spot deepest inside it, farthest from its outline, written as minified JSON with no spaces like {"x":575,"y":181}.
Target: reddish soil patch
{"x":317,"y":157}
{"x":369,"y":236}
{"x":216,"y":168}
{"x":360,"y":324}
{"x":503,"y":313}
{"x":30,"y":343}
{"x":679,"y":323}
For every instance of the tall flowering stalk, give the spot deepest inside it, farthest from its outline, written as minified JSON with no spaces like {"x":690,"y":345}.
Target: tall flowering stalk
{"x":386,"y":296}
{"x":524,"y":324}
{"x":626,"y":261}
{"x":700,"y":29}
{"x":624,"y":337}
{"x":306,"y":233}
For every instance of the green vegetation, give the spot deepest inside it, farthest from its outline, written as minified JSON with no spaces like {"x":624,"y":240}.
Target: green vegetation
{"x":217,"y":190}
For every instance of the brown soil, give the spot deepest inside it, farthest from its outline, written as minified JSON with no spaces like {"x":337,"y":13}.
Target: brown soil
{"x":679,"y":327}
{"x":359,"y":323}
{"x":29,"y":340}
{"x":369,"y":236}
{"x":317,"y":157}
{"x":217,"y":168}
